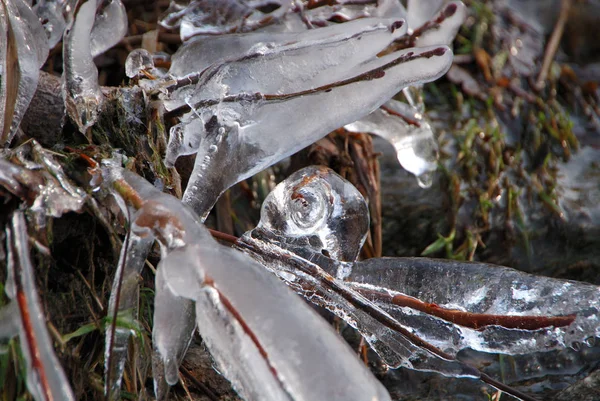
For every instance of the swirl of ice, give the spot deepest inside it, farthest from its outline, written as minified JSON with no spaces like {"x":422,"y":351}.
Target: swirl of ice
{"x":317,"y":205}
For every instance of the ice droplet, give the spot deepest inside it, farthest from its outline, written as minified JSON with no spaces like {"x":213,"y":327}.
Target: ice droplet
{"x":138,"y":60}
{"x":425,"y":180}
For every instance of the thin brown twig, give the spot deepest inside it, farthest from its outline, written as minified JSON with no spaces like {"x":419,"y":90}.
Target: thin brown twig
{"x":553,"y":43}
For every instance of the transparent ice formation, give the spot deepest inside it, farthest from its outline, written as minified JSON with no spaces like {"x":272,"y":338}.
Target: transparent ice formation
{"x":319,"y":210}
{"x":409,"y":133}
{"x":419,"y":12}
{"x":46,"y":379}
{"x":416,"y":312}
{"x":42,"y":180}
{"x":125,"y":288}
{"x":254,"y":109}
{"x":212,"y":17}
{"x":110,"y":26}
{"x":55,"y":14}
{"x":269,"y":343}
{"x":82,"y":92}
{"x":435,"y":29}
{"x":138,"y":60}
{"x":523,"y":313}
{"x":91,"y":33}
{"x":198,"y":54}
{"x":23,"y":50}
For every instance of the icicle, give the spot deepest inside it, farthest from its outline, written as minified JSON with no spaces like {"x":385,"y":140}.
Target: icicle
{"x":110,"y":26}
{"x":23,"y":50}
{"x":46,"y":379}
{"x":55,"y":14}
{"x":82,"y":93}
{"x":125,"y":289}
{"x":409,"y":133}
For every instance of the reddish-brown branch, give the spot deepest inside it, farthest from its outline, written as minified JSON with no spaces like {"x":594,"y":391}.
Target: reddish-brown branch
{"x":468,"y":319}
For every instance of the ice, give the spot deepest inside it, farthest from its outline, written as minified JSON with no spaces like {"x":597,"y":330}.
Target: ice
{"x":199,"y":54}
{"x":125,"y":289}
{"x":449,"y":284}
{"x":110,"y":26}
{"x":211,"y":17}
{"x":9,"y":321}
{"x":409,"y":133}
{"x":23,"y":49}
{"x":275,"y":339}
{"x":41,"y":180}
{"x":46,"y":379}
{"x":174,"y":324}
{"x":417,"y":312}
{"x":445,"y":24}
{"x":307,"y":208}
{"x":242,"y":127}
{"x":421,"y":11}
{"x":251,"y":323}
{"x":55,"y":14}
{"x":138,"y":60}
{"x":82,"y":92}
{"x":307,"y":63}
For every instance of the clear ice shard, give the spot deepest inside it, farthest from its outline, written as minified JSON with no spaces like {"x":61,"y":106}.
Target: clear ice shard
{"x":23,"y":50}
{"x":138,"y":60}
{"x":125,"y":289}
{"x":110,"y":26}
{"x":82,"y":93}
{"x":55,"y":14}
{"x":408,"y":131}
{"x":415,"y":312}
{"x":237,"y":112}
{"x":46,"y":379}
{"x":269,"y":343}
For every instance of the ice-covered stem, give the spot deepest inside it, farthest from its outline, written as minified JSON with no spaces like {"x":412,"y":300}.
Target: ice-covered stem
{"x":82,"y":94}
{"x":23,"y":50}
{"x":46,"y":379}
{"x":440,"y":29}
{"x":258,"y":145}
{"x":235,"y":297}
{"x":123,"y":305}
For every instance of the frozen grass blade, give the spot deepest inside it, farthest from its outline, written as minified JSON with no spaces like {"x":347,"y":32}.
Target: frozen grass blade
{"x":46,"y":379}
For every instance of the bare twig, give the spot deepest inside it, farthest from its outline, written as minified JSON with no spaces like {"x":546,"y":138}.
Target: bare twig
{"x":553,"y":43}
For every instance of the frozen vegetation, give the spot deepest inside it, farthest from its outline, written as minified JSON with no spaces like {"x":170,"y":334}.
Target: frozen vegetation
{"x":251,"y":85}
